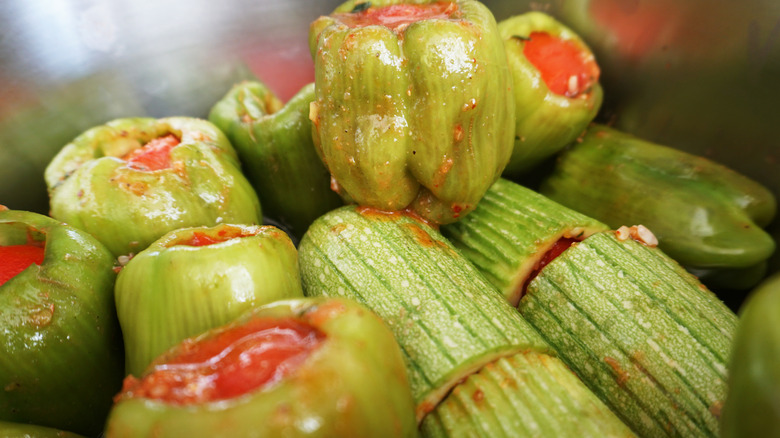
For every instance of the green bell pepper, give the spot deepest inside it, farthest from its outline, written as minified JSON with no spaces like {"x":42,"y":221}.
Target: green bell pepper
{"x":752,"y":407}
{"x":296,"y":368}
{"x":21,"y":430}
{"x":60,"y":343}
{"x":705,"y":215}
{"x":413,"y":105}
{"x":132,"y":180}
{"x":274,"y":143}
{"x":556,"y":87}
{"x":195,"y":279}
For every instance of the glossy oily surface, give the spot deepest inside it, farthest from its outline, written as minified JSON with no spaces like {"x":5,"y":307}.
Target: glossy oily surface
{"x":60,"y":344}
{"x":413,"y":116}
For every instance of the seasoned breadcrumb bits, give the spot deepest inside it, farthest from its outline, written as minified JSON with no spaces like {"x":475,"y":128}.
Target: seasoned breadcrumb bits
{"x":640,"y":233}
{"x":622,"y":233}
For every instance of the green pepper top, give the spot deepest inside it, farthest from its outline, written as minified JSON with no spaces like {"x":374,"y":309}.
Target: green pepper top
{"x":556,"y":87}
{"x":130,"y":181}
{"x":60,"y":344}
{"x":274,"y":143}
{"x":414,"y":106}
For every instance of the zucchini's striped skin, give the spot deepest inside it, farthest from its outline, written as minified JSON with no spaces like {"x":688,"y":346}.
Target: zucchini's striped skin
{"x":644,"y":334}
{"x":511,"y":229}
{"x":448,"y":320}
{"x":570,"y":409}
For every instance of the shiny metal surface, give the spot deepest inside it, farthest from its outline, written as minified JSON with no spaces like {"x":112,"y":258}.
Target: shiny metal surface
{"x":67,"y":65}
{"x":700,"y":75}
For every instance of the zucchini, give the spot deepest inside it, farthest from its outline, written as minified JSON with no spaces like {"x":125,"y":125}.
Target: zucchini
{"x":477,"y":403}
{"x":447,"y":318}
{"x":642,"y":332}
{"x":508,"y":234}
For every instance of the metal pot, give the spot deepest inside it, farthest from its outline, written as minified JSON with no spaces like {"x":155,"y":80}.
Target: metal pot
{"x":700,"y":75}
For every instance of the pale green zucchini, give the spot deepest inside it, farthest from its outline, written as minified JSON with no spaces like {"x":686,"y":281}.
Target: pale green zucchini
{"x":643,"y":333}
{"x":449,"y":321}
{"x":549,"y":399}
{"x":511,"y":229}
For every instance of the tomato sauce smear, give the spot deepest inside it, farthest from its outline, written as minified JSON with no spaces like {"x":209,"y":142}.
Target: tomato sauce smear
{"x":16,"y":258}
{"x":397,"y":17}
{"x":566,"y":68}
{"x":228,"y":364}
{"x":200,"y":238}
{"x":557,"y":249}
{"x":154,"y":155}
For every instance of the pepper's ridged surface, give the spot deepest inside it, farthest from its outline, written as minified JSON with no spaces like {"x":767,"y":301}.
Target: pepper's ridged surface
{"x":545,"y":122}
{"x":274,"y":143}
{"x":644,"y":334}
{"x":704,"y":214}
{"x":172,"y":290}
{"x":509,"y":232}
{"x":93,"y":188}
{"x":447,"y":318}
{"x":60,"y":342}
{"x":353,"y":384}
{"x":417,"y":116}
{"x":752,"y":407}
{"x":549,"y":399}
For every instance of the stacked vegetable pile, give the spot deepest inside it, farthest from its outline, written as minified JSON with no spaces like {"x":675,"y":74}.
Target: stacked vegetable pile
{"x":409,"y":285}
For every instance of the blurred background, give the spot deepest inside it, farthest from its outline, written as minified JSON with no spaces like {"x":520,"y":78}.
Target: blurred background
{"x":699,"y":75}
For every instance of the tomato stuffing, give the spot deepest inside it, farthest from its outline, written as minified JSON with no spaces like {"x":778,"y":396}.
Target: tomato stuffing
{"x":16,"y":258}
{"x":154,"y":155}
{"x":398,"y":16}
{"x":557,"y":249}
{"x":230,"y":363}
{"x":565,"y":68}
{"x":200,"y":238}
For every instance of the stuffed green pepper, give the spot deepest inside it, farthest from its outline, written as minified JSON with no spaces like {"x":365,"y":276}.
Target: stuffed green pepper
{"x":132,"y":180}
{"x":413,"y":107}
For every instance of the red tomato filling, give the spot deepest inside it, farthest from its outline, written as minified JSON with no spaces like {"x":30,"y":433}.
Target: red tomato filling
{"x":200,"y":238}
{"x":566,"y":69}
{"x":398,"y":16}
{"x":16,"y":258}
{"x":230,"y":363}
{"x":557,"y":249}
{"x":154,"y":155}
